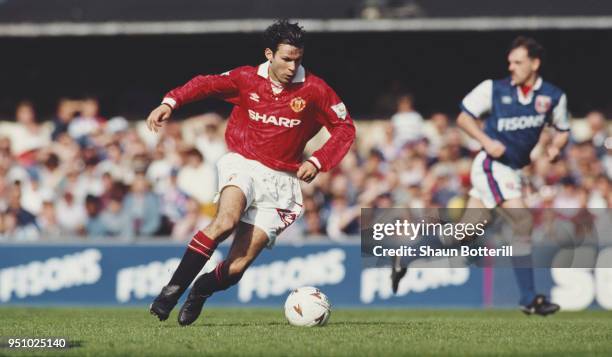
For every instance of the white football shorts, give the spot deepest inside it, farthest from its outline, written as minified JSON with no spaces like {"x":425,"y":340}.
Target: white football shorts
{"x":494,"y":182}
{"x":273,"y":198}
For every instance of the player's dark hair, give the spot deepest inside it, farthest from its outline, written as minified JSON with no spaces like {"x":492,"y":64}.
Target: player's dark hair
{"x":25,"y":103}
{"x":283,"y":32}
{"x":534,"y":49}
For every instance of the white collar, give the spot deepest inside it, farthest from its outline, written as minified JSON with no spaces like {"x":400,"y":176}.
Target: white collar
{"x":538,"y":83}
{"x":299,"y":77}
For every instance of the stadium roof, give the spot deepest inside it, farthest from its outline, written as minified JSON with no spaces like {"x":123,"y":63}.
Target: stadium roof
{"x":331,"y":25}
{"x":117,"y":17}
{"x":44,"y":11}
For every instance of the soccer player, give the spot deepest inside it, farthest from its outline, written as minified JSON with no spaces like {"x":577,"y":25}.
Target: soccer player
{"x":515,"y":109}
{"x":518,"y":108}
{"x":278,"y":108}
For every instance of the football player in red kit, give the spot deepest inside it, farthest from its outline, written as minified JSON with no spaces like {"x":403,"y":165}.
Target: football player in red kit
{"x":278,"y":108}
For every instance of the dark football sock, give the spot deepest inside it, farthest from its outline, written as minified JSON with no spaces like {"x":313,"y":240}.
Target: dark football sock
{"x":199,"y":250}
{"x":523,"y":273}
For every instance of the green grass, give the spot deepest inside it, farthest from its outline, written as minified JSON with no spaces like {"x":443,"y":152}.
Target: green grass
{"x":264,"y":332}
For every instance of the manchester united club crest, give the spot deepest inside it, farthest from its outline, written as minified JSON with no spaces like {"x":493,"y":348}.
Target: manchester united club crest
{"x":297,"y":104}
{"x":542,"y":103}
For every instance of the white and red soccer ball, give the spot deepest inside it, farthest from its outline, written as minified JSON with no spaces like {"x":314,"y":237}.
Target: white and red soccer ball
{"x":307,"y":306}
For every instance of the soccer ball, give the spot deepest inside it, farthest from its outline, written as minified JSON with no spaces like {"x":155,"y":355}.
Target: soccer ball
{"x":307,"y":306}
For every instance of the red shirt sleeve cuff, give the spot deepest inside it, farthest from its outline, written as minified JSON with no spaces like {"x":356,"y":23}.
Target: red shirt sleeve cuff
{"x":170,"y":102}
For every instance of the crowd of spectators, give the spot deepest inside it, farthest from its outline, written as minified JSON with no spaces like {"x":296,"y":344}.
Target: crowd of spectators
{"x":83,"y":175}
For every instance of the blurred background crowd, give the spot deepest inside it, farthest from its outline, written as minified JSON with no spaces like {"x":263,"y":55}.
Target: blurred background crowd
{"x":83,"y":175}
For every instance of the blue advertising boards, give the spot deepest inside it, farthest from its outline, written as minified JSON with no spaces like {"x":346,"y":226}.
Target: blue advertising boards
{"x":128,"y":274}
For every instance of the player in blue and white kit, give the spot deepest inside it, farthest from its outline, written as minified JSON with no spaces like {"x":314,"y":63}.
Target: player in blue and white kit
{"x":515,"y":110}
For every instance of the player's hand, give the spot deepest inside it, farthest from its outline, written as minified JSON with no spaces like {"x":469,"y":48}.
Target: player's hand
{"x":307,"y":171}
{"x":494,"y":148}
{"x":553,"y":153}
{"x":158,"y":117}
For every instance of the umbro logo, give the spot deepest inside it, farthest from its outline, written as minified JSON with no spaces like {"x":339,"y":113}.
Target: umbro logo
{"x":254,"y":97}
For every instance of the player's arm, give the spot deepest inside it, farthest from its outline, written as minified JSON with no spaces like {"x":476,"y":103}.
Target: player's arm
{"x":199,"y":87}
{"x":334,"y":116}
{"x":474,"y":105}
{"x":560,"y":121}
{"x":493,"y":147}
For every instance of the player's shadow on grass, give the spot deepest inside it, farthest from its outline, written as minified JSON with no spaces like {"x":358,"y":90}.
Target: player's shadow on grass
{"x":75,"y":344}
{"x":369,"y":323}
{"x":227,"y":324}
{"x":244,"y":324}
{"x":284,"y":323}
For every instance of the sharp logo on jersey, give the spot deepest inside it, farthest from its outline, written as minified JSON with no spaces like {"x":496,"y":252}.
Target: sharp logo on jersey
{"x":297,"y":104}
{"x":271,"y":119}
{"x":518,"y":123}
{"x":542,"y":103}
{"x":340,"y":110}
{"x":254,"y":97}
{"x":286,"y":216}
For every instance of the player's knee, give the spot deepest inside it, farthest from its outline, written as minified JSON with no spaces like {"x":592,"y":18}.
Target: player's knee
{"x":224,"y":224}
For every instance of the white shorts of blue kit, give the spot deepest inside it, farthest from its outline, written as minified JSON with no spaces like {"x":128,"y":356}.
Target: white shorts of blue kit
{"x":493,"y":182}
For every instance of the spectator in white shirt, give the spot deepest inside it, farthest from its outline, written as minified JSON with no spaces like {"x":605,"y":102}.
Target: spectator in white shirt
{"x":197,"y":178}
{"x":71,"y":215}
{"x":88,"y":122}
{"x":27,"y":134}
{"x":599,"y":131}
{"x":159,"y":171}
{"x":210,"y":141}
{"x":435,"y":133}
{"x":407,"y":122}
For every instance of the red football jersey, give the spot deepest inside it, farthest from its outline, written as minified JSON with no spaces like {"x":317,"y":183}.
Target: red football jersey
{"x":274,"y":128}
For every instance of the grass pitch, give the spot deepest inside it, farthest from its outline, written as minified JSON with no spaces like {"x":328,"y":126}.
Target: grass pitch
{"x":359,"y":332}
